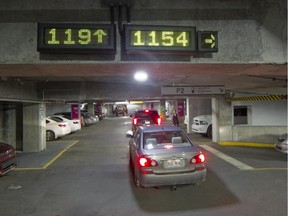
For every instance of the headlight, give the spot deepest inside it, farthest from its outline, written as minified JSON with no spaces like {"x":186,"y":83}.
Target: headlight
{"x":203,"y":123}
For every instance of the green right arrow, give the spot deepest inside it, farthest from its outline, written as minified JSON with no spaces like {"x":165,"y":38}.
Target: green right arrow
{"x":210,"y":40}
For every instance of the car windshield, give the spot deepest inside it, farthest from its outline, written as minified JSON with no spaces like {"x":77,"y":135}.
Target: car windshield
{"x":165,"y":139}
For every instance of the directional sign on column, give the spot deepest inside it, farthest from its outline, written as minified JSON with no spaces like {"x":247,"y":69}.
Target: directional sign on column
{"x":208,"y":41}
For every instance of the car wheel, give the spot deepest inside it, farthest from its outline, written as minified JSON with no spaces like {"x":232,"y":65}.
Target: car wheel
{"x":50,"y":135}
{"x":209,"y":132}
{"x":136,"y":180}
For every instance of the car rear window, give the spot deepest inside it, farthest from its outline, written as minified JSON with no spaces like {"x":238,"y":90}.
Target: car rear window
{"x":165,"y":139}
{"x":143,"y":114}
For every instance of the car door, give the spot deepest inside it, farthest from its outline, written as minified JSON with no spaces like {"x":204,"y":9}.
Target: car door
{"x":135,"y":145}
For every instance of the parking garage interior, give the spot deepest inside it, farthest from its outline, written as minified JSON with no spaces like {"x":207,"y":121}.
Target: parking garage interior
{"x":250,"y":64}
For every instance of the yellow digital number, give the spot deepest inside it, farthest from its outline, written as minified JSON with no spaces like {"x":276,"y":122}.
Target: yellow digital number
{"x":69,"y":40}
{"x":153,"y":39}
{"x":53,"y":40}
{"x":85,"y":36}
{"x":182,"y":39}
{"x":138,"y":41}
{"x":167,"y":38}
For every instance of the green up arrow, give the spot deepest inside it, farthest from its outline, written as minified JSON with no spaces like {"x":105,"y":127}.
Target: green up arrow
{"x":100,"y":33}
{"x":211,"y":41}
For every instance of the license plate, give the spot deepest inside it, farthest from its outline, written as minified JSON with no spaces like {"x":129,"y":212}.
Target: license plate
{"x":147,"y":122}
{"x":173,"y":163}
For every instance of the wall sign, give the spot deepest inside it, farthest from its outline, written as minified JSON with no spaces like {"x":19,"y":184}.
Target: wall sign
{"x":159,"y":39}
{"x":192,"y":90}
{"x":76,"y":38}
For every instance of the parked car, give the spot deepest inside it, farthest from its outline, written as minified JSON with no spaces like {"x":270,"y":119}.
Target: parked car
{"x":7,"y":158}
{"x":282,"y":143}
{"x":56,"y":129}
{"x":89,"y":119}
{"x":145,"y":117}
{"x":74,"y":124}
{"x":202,"y":124}
{"x":164,"y":156}
{"x":99,"y":114}
{"x":68,"y":115}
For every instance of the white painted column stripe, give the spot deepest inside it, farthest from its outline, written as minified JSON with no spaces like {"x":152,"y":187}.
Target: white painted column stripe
{"x":233,"y":161}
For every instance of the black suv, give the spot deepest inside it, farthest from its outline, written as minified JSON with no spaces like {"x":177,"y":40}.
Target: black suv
{"x":145,"y":117}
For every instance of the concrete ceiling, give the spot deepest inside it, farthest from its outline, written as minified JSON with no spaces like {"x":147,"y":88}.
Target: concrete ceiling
{"x":239,"y":78}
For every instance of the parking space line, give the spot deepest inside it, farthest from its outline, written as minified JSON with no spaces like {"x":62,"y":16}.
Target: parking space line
{"x":58,"y":155}
{"x":233,"y":161}
{"x":51,"y":161}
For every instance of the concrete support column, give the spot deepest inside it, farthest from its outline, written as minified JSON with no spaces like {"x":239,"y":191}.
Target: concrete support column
{"x":188,"y":114}
{"x":163,"y":109}
{"x":222,"y":120}
{"x":90,"y":107}
{"x":34,"y":124}
{"x":8,"y":124}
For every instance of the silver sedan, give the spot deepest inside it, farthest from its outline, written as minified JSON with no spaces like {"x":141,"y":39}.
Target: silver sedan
{"x":164,"y":156}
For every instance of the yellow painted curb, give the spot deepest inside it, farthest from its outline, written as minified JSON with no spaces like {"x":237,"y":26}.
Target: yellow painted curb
{"x":247,"y":144}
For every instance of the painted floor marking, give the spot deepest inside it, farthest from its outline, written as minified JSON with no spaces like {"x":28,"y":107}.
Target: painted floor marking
{"x":51,"y":161}
{"x":233,"y":161}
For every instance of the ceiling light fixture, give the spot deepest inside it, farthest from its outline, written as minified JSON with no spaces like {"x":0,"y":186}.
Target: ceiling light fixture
{"x":141,"y":76}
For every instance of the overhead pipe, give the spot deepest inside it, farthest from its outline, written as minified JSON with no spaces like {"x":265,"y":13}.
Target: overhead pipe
{"x":128,"y":13}
{"x":112,"y":14}
{"x":120,"y":27}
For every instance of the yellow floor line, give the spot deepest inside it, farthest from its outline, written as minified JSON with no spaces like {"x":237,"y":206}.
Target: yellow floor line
{"x":248,"y":144}
{"x":51,"y":161}
{"x":58,"y":155}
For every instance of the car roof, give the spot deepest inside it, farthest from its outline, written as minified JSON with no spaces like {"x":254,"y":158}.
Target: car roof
{"x":158,"y":128}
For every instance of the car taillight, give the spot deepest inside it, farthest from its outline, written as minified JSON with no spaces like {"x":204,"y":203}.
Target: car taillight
{"x":146,"y":111}
{"x":61,"y":125}
{"x":200,"y":158}
{"x":76,"y":122}
{"x":135,"y":120}
{"x":159,"y":121}
{"x":144,"y":161}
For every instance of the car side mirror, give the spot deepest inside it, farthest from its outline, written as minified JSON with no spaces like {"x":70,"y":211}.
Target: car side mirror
{"x":129,"y":134}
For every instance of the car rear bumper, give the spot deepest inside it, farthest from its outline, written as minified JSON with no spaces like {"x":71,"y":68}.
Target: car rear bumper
{"x":172,"y":179}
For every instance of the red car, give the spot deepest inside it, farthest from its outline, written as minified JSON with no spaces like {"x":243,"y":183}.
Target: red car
{"x":7,"y":158}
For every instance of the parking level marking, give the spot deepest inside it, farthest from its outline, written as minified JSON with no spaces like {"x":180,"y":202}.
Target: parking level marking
{"x":233,"y":161}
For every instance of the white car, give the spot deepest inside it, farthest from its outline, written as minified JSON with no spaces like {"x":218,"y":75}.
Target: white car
{"x":203,"y":124}
{"x":282,"y":143}
{"x":74,"y":124}
{"x":56,"y":129}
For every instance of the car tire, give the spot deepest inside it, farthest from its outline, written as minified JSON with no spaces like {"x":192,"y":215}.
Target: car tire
{"x":50,"y":135}
{"x":209,"y":132}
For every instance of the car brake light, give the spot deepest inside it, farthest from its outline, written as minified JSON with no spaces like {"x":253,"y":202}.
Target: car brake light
{"x":146,"y":110}
{"x":200,"y":158}
{"x":144,"y":161}
{"x":61,"y":125}
{"x":159,"y":121}
{"x":135,"y":120}
{"x":76,"y":122}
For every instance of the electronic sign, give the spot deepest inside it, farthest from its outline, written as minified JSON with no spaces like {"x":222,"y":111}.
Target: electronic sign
{"x":143,"y":39}
{"x":76,"y":38}
{"x":208,"y":41}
